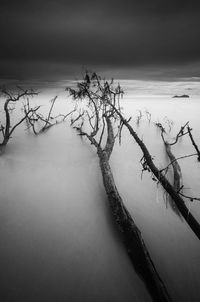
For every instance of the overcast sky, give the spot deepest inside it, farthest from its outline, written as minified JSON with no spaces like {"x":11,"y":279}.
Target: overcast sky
{"x":47,"y":39}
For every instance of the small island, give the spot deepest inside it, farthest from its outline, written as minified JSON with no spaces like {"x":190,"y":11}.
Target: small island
{"x":181,"y":96}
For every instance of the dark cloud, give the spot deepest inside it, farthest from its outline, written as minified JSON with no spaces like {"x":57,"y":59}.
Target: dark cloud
{"x":108,"y":34}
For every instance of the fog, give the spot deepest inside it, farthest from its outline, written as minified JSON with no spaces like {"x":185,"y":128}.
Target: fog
{"x":58,"y":242}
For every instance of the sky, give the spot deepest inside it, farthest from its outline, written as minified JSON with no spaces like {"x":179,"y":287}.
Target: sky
{"x":134,"y":39}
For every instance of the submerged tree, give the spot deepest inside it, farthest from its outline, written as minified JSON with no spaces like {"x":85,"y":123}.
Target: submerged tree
{"x":149,"y":165}
{"x":177,"y":173}
{"x":40,"y":123}
{"x":99,"y":111}
{"x":6,"y":127}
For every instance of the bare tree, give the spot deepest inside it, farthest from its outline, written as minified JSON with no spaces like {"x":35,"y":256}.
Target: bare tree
{"x":99,"y":112}
{"x":178,"y":181}
{"x":147,"y":160}
{"x":6,"y":128}
{"x":40,"y":123}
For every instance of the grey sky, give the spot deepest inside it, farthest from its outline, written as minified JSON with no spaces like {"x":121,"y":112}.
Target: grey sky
{"x":55,"y":39}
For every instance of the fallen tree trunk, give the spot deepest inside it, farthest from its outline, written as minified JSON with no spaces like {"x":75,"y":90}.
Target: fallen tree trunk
{"x":132,"y":237}
{"x":189,"y":218}
{"x":101,"y":113}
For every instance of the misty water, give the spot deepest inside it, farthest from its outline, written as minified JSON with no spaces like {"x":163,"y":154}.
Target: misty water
{"x":58,"y":241}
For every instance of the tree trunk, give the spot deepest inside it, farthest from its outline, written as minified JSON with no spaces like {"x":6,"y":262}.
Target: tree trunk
{"x":132,"y":236}
{"x":190,"y":219}
{"x":176,"y":168}
{"x":130,"y":233}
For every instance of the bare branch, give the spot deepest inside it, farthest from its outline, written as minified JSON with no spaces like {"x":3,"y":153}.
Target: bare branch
{"x":102,"y":131}
{"x":180,"y":134}
{"x":139,"y":118}
{"x":104,"y":103}
{"x":190,"y":219}
{"x":48,"y":121}
{"x":77,"y":118}
{"x":160,"y":126}
{"x":7,"y":129}
{"x":25,"y":117}
{"x":193,"y":142}
{"x":148,"y":115}
{"x":175,"y":159}
{"x":64,"y":116}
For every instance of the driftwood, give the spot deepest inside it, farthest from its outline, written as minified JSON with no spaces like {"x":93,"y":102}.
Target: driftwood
{"x":179,"y":201}
{"x":130,"y":234}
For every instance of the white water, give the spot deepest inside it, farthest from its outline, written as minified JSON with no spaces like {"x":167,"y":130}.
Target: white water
{"x":57,"y":240}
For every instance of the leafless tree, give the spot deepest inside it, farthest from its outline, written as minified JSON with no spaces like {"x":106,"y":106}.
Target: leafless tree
{"x":99,"y":115}
{"x":6,"y":127}
{"x":160,"y":176}
{"x":178,"y":181}
{"x":40,"y":123}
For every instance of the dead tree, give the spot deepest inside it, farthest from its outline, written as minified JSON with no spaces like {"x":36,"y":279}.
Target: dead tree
{"x":177,"y":173}
{"x":169,"y":188}
{"x":11,"y":99}
{"x":97,"y":116}
{"x":38,"y":122}
{"x":178,"y":182}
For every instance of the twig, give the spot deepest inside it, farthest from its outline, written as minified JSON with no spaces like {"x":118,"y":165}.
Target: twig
{"x":193,"y":142}
{"x":181,"y":157}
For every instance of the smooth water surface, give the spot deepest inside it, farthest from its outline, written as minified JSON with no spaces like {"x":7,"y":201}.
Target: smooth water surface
{"x":58,"y":242}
